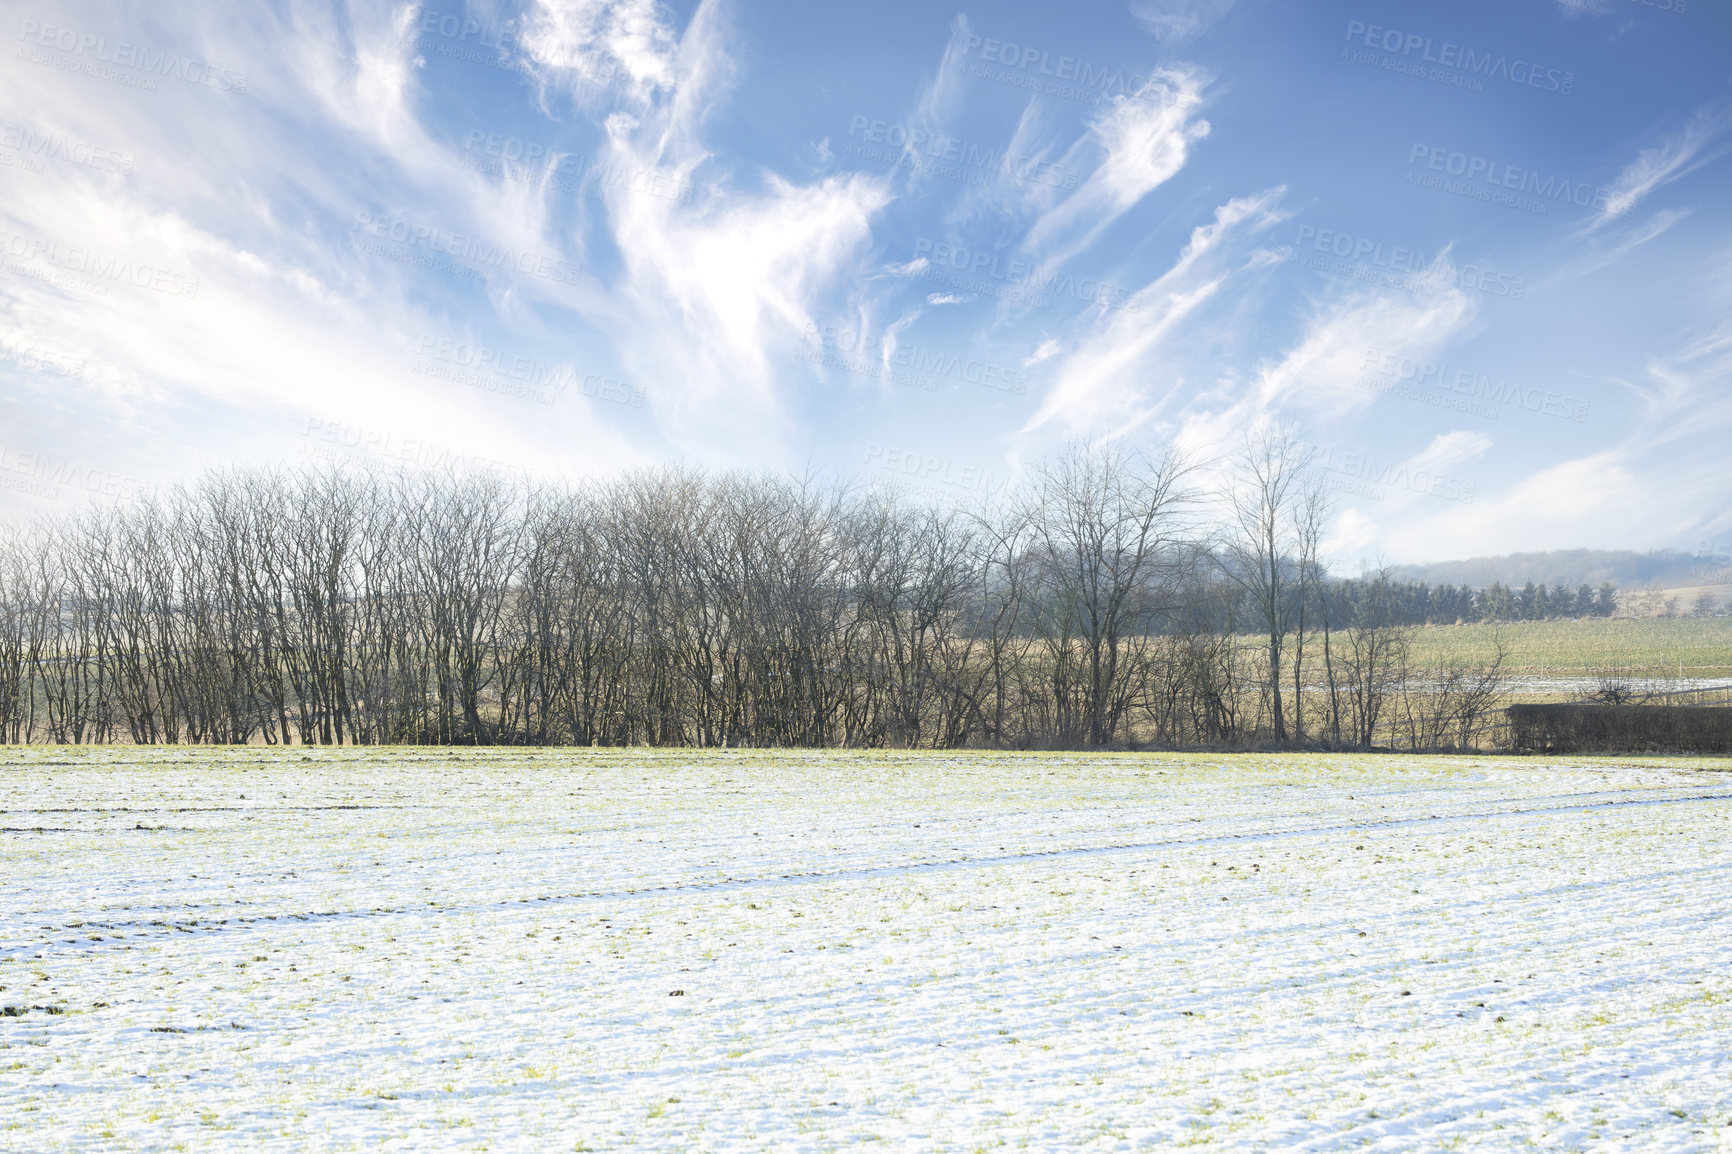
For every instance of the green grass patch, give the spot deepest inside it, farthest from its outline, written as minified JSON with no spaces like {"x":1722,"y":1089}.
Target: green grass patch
{"x":1655,"y":646}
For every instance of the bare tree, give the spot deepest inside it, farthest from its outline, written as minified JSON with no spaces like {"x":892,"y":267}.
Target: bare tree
{"x":1105,"y":534}
{"x":28,"y":612}
{"x":1275,"y":517}
{"x":1310,"y":515}
{"x":1376,"y":650}
{"x":997,"y":634}
{"x":1446,"y":707}
{"x":678,"y":607}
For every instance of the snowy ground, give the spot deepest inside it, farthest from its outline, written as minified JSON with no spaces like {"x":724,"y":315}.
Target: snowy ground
{"x":1581,"y":686}
{"x":330,"y":950}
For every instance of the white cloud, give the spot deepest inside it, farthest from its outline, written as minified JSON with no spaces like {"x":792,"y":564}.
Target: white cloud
{"x":890,"y":342}
{"x":1113,"y":380}
{"x":1676,"y":155}
{"x":1036,"y":171}
{"x":600,"y":44}
{"x":711,"y":292}
{"x":717,"y":291}
{"x":1047,"y":349}
{"x":1447,"y":449}
{"x":943,"y":93}
{"x":361,"y":66}
{"x":1691,"y":397}
{"x":1616,"y":244}
{"x":1141,"y":141}
{"x":1591,"y":498}
{"x":1175,"y":21}
{"x":1326,"y":377}
{"x":1431,"y":473}
{"x":1322,"y":374}
{"x":1663,"y":485}
{"x":254,"y":194}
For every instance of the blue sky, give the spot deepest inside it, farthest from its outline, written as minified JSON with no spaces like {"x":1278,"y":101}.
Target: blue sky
{"x":1475,"y":255}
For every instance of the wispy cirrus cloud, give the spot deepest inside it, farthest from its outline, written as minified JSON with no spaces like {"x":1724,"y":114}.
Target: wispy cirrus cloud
{"x":1574,"y":8}
{"x":1132,"y":148}
{"x":712,"y":292}
{"x":1677,"y":154}
{"x":1315,"y":386}
{"x":1321,"y":373}
{"x":1690,"y":394}
{"x":253,"y":193}
{"x":1114,"y":381}
{"x":1176,"y":21}
{"x":597,"y":45}
{"x":1662,"y":485}
{"x":1610,"y":247}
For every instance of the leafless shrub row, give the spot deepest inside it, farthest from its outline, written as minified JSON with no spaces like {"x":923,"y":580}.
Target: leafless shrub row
{"x":676,"y":607}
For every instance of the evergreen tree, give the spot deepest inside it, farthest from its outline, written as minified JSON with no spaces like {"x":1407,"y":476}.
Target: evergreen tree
{"x":1497,"y":603}
{"x":1530,"y":602}
{"x":1608,"y":601}
{"x":1561,"y":602}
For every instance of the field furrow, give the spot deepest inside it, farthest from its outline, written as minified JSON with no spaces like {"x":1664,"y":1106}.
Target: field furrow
{"x":338,"y":949}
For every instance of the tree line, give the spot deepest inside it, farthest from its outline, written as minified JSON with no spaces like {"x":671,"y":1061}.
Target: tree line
{"x":1418,"y":603}
{"x":1112,"y":603}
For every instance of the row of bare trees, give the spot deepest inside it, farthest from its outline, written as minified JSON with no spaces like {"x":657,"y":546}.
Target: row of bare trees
{"x":676,"y":607}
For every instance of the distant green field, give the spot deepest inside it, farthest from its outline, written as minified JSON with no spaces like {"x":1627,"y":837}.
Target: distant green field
{"x":1659,"y":647}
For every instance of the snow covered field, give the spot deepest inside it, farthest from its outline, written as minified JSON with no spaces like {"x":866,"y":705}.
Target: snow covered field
{"x":536,"y":950}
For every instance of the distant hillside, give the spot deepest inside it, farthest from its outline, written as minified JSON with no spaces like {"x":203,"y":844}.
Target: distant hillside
{"x":1628,"y":570}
